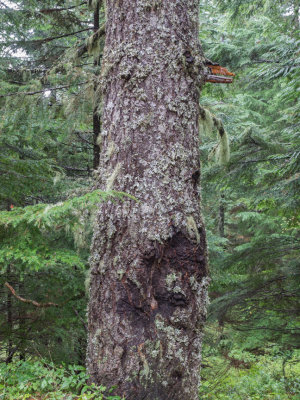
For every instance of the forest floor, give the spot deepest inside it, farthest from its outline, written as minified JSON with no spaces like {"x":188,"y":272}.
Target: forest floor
{"x":223,"y":378}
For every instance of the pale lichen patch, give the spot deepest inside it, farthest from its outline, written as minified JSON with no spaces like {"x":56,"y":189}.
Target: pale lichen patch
{"x":111,"y":179}
{"x":192,"y":228}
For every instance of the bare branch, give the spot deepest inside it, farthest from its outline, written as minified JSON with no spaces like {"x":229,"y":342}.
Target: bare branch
{"x":33,"y":302}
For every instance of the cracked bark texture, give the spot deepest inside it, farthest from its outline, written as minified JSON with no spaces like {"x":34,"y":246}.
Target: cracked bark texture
{"x":148,"y":286}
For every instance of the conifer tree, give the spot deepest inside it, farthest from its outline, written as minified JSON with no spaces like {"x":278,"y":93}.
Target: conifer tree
{"x":149,"y":263}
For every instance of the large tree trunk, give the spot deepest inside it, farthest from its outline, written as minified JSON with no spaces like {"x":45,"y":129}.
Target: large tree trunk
{"x":149,"y":263}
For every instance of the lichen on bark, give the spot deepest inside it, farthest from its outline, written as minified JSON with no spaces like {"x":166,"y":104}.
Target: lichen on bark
{"x":148,"y":286}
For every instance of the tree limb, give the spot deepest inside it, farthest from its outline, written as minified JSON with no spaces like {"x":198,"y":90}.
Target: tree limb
{"x":45,"y":40}
{"x":262,"y":61}
{"x":51,"y":10}
{"x":33,"y":302}
{"x":41,"y":91}
{"x":42,"y":11}
{"x":83,"y":139}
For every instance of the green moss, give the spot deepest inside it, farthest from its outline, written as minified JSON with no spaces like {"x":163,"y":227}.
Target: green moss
{"x":111,"y":149}
{"x":192,"y":228}
{"x":209,"y":123}
{"x":111,"y":179}
{"x":87,"y":281}
{"x":93,"y":45}
{"x":223,"y":150}
{"x":99,"y":140}
{"x":93,"y":4}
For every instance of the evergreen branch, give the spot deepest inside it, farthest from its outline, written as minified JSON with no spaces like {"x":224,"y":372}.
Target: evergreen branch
{"x":51,"y":10}
{"x":18,"y":175}
{"x":42,"y":11}
{"x":68,"y":168}
{"x":276,"y":62}
{"x":21,"y":70}
{"x":265,"y":159}
{"x":83,"y":139}
{"x":277,"y":329}
{"x":33,"y":302}
{"x":22,"y":152}
{"x":41,"y":91}
{"x":45,"y":40}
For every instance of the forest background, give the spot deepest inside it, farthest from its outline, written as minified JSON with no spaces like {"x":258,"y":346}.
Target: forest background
{"x":50,"y":59}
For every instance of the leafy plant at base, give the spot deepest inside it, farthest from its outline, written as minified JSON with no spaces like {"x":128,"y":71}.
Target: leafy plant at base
{"x":27,"y":379}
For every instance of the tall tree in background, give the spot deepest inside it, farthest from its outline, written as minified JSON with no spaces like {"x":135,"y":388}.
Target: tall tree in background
{"x":254,"y":257}
{"x":149,"y":266}
{"x":47,"y":72}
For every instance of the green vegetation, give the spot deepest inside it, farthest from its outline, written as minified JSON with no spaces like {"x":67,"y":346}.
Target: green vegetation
{"x":44,"y":380}
{"x":251,"y":202}
{"x":239,"y":376}
{"x":231,"y":372}
{"x":262,"y":380}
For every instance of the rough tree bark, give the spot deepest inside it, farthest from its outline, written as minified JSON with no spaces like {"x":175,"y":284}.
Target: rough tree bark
{"x":149,"y":263}
{"x":96,"y":117}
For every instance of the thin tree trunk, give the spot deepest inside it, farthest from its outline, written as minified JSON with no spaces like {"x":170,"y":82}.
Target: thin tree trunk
{"x":149,"y":264}
{"x":222,"y":216}
{"x":22,"y":324}
{"x":96,"y":117}
{"x":10,"y":351}
{"x":96,"y":132}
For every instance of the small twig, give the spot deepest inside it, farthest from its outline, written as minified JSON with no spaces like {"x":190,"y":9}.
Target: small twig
{"x":33,"y":302}
{"x":81,"y":319}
